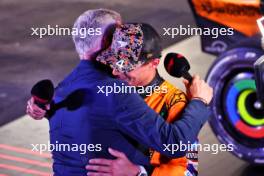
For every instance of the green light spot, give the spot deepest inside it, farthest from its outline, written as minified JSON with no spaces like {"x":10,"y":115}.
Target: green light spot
{"x":243,"y":110}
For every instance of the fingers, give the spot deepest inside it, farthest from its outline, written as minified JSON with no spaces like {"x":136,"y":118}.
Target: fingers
{"x":210,"y":94}
{"x":34,"y":111}
{"x":101,"y":161}
{"x":185,"y":82}
{"x":31,"y":100}
{"x":197,"y":86}
{"x":98,"y":174}
{"x":31,"y":113}
{"x":116,"y":153}
{"x":99,"y":168}
{"x":34,"y":108}
{"x":196,"y":80}
{"x":211,"y":90}
{"x":200,"y":89}
{"x":47,"y":107}
{"x":196,"y":77}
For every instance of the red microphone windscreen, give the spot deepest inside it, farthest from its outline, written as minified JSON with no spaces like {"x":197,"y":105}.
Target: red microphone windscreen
{"x":176,"y":64}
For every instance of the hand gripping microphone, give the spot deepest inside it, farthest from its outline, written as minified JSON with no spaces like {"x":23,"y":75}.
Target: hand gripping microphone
{"x":42,"y":92}
{"x":177,"y":66}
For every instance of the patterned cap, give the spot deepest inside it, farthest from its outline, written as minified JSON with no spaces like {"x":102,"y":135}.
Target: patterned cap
{"x":125,"y":49}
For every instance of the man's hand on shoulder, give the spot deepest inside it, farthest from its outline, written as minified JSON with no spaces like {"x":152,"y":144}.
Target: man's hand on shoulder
{"x":121,"y":166}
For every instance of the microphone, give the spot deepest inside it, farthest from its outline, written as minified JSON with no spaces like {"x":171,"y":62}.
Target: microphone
{"x":177,"y":66}
{"x":42,"y":92}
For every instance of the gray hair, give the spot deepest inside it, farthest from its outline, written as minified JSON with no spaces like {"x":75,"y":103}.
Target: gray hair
{"x":93,"y":19}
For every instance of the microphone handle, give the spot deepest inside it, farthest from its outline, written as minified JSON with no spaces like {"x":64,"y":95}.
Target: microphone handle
{"x":42,"y":105}
{"x":188,"y":76}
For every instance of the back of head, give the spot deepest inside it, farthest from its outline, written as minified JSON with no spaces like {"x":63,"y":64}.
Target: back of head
{"x":151,"y":42}
{"x":92,"y":27}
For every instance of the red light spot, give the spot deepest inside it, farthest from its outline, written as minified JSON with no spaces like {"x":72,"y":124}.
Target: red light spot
{"x":170,"y":65}
{"x":24,"y":170}
{"x":27,"y":161}
{"x":23,"y":150}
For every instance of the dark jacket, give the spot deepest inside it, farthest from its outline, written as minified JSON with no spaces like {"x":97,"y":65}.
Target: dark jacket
{"x":88,"y":119}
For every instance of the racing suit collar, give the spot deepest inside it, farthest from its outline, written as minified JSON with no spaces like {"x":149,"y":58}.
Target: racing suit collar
{"x":156,"y":81}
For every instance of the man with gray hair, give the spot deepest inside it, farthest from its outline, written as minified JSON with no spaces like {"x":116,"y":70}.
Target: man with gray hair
{"x":103,"y":21}
{"x":83,"y":116}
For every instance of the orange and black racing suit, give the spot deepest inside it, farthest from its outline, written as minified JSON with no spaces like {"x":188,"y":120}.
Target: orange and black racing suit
{"x":170,"y":104}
